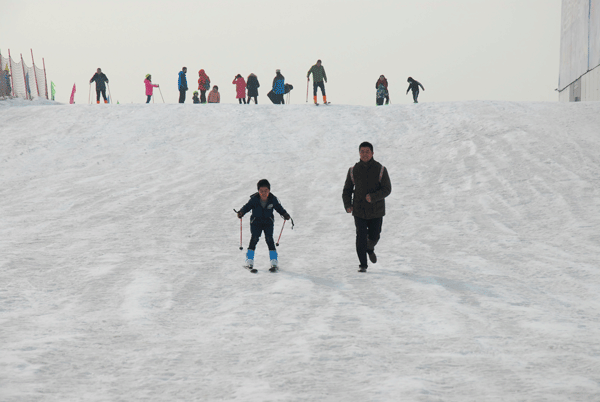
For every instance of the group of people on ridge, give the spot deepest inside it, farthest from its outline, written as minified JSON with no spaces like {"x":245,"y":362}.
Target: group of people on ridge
{"x":249,"y":87}
{"x":365,"y":189}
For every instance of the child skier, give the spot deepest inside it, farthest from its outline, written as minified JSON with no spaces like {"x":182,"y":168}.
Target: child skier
{"x":149,"y":87}
{"x":214,"y":96}
{"x":262,"y":204}
{"x":195,"y":98}
{"x":413,"y":85}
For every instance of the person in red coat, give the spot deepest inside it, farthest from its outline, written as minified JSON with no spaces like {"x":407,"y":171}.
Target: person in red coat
{"x":149,"y":87}
{"x":383,"y":81}
{"x":240,"y":86}
{"x":203,"y":85}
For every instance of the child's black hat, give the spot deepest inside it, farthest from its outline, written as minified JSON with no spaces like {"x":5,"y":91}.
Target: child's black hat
{"x":263,"y":183}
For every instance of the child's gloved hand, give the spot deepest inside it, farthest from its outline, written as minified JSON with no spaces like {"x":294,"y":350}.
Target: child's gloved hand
{"x":240,"y":214}
{"x":287,"y":217}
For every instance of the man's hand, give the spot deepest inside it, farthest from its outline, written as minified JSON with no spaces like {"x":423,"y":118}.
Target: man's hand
{"x":349,"y":210}
{"x":369,"y":198}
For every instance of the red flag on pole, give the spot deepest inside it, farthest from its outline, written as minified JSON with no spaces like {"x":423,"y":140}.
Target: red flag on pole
{"x":73,"y":95}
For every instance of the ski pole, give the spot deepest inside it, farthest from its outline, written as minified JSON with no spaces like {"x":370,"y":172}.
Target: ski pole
{"x":161,"y":94}
{"x":90,"y":95}
{"x":277,"y":244}
{"x":307,"y":82}
{"x":241,"y":247}
{"x":110,"y":99}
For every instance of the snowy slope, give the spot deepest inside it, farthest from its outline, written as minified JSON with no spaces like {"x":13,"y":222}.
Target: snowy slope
{"x":121,"y":278}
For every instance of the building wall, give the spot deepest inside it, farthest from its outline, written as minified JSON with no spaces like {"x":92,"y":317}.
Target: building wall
{"x":579,"y":78}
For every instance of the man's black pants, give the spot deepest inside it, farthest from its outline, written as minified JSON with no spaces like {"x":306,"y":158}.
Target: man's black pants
{"x":368,"y":232}
{"x":182,"y":96}
{"x":321,"y":85}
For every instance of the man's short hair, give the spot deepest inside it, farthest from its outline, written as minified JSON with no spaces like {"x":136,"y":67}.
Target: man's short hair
{"x":366,"y":145}
{"x":263,"y":183}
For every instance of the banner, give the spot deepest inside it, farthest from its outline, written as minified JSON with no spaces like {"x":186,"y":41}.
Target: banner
{"x":73,"y":95}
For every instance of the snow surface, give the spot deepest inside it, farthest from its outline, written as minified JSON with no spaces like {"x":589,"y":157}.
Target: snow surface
{"x":121,"y":277}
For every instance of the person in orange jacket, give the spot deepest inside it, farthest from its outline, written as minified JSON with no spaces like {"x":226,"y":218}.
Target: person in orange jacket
{"x":214,"y":96}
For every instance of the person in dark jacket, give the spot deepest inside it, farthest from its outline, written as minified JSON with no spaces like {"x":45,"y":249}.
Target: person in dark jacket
{"x":101,"y":81}
{"x":278,"y":88}
{"x":319,"y":77}
{"x":262,"y":205}
{"x":414,"y":86}
{"x":367,"y":184}
{"x":182,"y":84}
{"x":195,"y":98}
{"x":382,"y":93}
{"x":252,"y":85}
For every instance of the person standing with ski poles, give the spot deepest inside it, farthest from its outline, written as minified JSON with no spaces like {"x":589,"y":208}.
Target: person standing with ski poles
{"x":414,"y":86}
{"x":182,"y":84}
{"x":367,"y":184}
{"x":149,"y":87}
{"x":276,"y":94}
{"x":319,"y":77}
{"x":262,"y":204}
{"x":101,"y":81}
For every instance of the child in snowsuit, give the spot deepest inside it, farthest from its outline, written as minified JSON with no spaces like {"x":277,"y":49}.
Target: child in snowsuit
{"x":214,"y":96}
{"x":414,"y":86}
{"x":262,"y":205}
{"x":195,"y":98}
{"x":149,"y":87}
{"x":240,"y":88}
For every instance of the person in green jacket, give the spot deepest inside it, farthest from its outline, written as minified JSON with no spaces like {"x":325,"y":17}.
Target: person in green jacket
{"x":367,"y":184}
{"x":318,"y":72}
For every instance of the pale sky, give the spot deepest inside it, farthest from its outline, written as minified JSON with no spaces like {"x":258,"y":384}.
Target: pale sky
{"x":458,"y":49}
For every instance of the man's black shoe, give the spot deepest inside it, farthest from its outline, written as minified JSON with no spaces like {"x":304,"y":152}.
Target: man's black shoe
{"x":372,"y":256}
{"x":362,"y":268}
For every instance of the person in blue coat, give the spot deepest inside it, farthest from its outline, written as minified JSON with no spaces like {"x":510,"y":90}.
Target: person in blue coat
{"x":182,"y":84}
{"x":262,"y":204}
{"x":278,"y":88}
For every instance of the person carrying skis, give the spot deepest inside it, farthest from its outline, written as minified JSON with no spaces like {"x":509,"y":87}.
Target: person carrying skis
{"x":203,"y":85}
{"x":101,"y":81}
{"x":382,"y":91}
{"x":214,"y":96}
{"x":367,"y":184}
{"x":414,"y":86}
{"x":319,"y":75}
{"x":278,"y":88}
{"x":182,"y":84}
{"x":252,"y":85}
{"x":262,"y":204}
{"x":240,"y":88}
{"x":149,"y":87}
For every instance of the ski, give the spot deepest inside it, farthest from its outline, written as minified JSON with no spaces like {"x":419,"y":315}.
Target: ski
{"x":253,"y":270}
{"x":327,"y":103}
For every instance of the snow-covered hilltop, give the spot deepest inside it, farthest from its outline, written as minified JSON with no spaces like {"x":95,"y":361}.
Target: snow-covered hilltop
{"x":121,"y":276}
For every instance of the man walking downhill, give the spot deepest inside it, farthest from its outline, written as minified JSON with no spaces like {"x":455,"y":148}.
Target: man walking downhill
{"x":318,"y":72}
{"x":367,"y":185}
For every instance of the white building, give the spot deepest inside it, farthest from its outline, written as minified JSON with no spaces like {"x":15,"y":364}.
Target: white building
{"x":579,"y":78}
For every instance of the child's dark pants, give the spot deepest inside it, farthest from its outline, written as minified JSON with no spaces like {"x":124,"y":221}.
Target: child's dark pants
{"x":257,"y":228}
